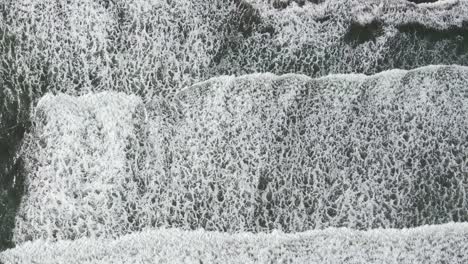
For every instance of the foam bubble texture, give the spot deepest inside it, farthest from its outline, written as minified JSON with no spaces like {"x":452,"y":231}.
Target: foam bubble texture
{"x":252,"y":153}
{"x":428,"y":244}
{"x":157,"y":47}
{"x":350,"y":36}
{"x":262,"y":152}
{"x":80,"y":164}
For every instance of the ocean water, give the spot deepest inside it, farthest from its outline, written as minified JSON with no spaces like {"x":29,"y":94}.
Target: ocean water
{"x":159,"y":51}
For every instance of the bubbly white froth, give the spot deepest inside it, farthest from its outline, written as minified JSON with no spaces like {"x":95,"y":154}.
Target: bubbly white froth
{"x":252,"y":153}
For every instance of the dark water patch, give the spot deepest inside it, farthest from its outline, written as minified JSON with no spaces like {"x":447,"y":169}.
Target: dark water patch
{"x":323,"y":19}
{"x":248,"y":18}
{"x":15,"y":100}
{"x":282,"y":4}
{"x":418,"y":45}
{"x":359,"y":33}
{"x":279,"y":4}
{"x":12,"y":131}
{"x":11,"y":173}
{"x":269,"y":29}
{"x":433,"y":34}
{"x":10,"y":198}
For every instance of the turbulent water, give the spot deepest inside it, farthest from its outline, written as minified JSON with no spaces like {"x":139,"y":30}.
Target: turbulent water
{"x":256,"y":152}
{"x":334,"y":245}
{"x":231,"y":116}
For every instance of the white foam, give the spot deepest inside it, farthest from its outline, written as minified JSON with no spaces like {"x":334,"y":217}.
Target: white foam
{"x":251,"y":153}
{"x":427,"y":244}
